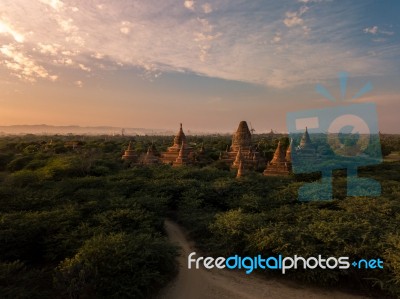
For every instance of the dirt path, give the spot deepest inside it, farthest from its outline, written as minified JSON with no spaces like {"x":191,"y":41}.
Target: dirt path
{"x":213,"y":284}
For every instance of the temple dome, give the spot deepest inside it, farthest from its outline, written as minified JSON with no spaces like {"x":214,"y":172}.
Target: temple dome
{"x":241,"y":149}
{"x":242,"y":137}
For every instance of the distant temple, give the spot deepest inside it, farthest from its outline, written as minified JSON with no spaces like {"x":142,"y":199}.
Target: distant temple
{"x":73,"y":144}
{"x":183,"y":156}
{"x":241,"y":149}
{"x":201,"y":157}
{"x":306,"y":148}
{"x":150,"y":157}
{"x":281,"y":162}
{"x":130,"y":155}
{"x":305,"y":153}
{"x":180,"y":153}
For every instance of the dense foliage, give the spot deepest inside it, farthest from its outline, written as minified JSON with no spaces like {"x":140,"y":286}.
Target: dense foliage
{"x":75,"y":222}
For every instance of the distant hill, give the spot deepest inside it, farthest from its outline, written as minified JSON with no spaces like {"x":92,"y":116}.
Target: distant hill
{"x":78,"y":130}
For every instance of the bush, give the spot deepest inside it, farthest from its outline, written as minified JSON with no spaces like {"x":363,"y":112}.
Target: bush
{"x":117,"y":265}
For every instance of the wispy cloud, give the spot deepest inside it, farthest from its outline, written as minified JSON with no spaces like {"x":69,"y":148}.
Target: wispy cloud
{"x":84,"y":67}
{"x":189,"y":4}
{"x":125,"y":27}
{"x":6,"y":28}
{"x":375,"y":30}
{"x":278,"y":45}
{"x":371,"y":30}
{"x":23,"y":66}
{"x":207,"y":8}
{"x":55,"y":4}
{"x":294,"y":18}
{"x":52,"y":49}
{"x":313,"y":1}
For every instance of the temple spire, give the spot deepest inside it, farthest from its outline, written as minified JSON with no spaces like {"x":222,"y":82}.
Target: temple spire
{"x":240,"y":171}
{"x":129,"y":154}
{"x":305,"y":139}
{"x":288,"y":156}
{"x":180,"y":155}
{"x":180,"y":137}
{"x":238,"y":157}
{"x":278,"y":155}
{"x":279,"y":165}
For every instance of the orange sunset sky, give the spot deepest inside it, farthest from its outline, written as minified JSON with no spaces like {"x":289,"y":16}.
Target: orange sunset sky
{"x":208,"y":64}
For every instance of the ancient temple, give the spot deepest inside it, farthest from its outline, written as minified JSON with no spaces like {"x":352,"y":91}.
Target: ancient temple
{"x":241,"y":148}
{"x":306,"y":148}
{"x":150,"y":157}
{"x":201,"y":157}
{"x":180,"y":152}
{"x":129,"y":155}
{"x":281,"y":162}
{"x":183,"y":156}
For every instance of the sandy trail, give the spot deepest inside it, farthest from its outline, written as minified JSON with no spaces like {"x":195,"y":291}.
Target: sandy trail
{"x":210,"y":284}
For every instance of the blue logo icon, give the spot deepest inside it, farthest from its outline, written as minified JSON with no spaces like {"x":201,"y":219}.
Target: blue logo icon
{"x":341,"y":137}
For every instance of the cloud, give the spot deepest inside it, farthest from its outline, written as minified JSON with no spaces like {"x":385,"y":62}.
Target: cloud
{"x":52,"y":49}
{"x":84,"y":67}
{"x":371,"y":30}
{"x":55,"y":4}
{"x":313,"y":1}
{"x":189,"y":4}
{"x":23,"y":66}
{"x":277,"y":38}
{"x":207,"y":8}
{"x":204,"y":38}
{"x":6,"y":28}
{"x":125,"y":30}
{"x":378,"y":34}
{"x":125,"y":27}
{"x":79,"y":83}
{"x":386,"y":32}
{"x":258,"y":43}
{"x":379,"y":40}
{"x":294,"y":18}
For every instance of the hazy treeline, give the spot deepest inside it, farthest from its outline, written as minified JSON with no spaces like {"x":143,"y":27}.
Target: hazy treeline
{"x":76,"y":222}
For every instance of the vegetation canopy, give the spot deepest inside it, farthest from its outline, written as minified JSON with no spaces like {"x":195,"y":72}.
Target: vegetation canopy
{"x":78,"y":222}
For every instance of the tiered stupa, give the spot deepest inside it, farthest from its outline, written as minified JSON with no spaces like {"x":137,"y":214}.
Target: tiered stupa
{"x":242,"y":146}
{"x":306,"y":149}
{"x":180,"y":149}
{"x":150,"y":157}
{"x":281,"y":162}
{"x":182,"y":158}
{"x":129,"y":155}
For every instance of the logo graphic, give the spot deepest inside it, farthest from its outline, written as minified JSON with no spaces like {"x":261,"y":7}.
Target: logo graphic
{"x":279,"y":262}
{"x":341,"y":137}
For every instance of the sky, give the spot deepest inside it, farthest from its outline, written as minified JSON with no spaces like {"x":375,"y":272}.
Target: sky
{"x":207,"y":64}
